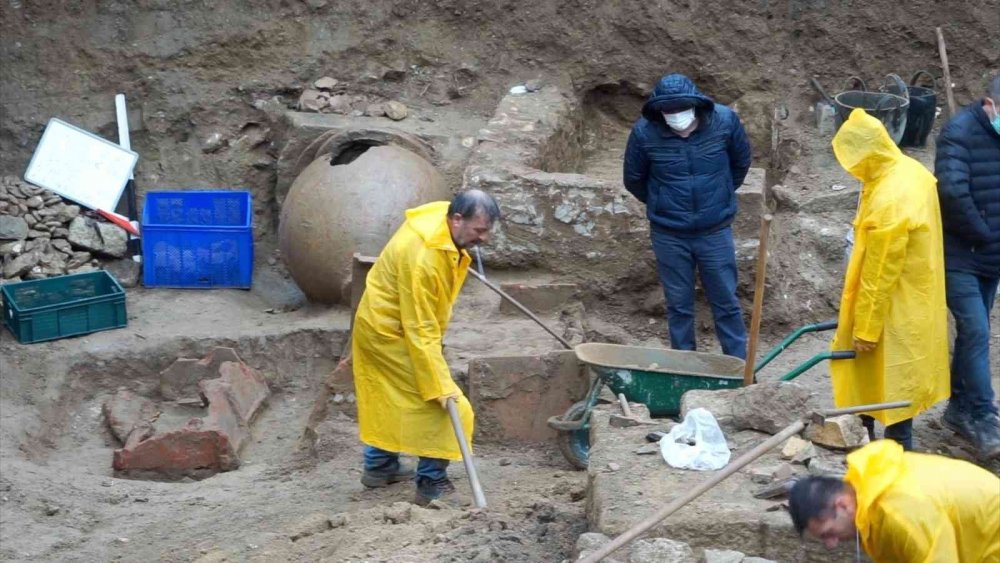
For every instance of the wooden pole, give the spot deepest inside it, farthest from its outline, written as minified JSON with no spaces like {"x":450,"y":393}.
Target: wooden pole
{"x":741,"y":462}
{"x":947,"y":72}
{"x":470,"y":466}
{"x":521,"y":308}
{"x":758,"y":300}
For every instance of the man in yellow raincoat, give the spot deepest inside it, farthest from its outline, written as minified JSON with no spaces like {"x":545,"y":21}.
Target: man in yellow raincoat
{"x":903,"y":507}
{"x":892,"y":311}
{"x":400,"y":375}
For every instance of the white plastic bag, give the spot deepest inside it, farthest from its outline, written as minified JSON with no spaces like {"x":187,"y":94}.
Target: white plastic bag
{"x":697,"y":443}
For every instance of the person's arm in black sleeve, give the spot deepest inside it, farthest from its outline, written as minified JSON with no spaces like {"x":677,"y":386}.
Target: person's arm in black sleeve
{"x":958,"y":210}
{"x":636,"y":168}
{"x":740,"y":153}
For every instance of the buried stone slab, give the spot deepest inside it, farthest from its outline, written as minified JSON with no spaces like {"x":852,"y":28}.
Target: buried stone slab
{"x":180,"y":380}
{"x":125,"y":411}
{"x":514,"y":396}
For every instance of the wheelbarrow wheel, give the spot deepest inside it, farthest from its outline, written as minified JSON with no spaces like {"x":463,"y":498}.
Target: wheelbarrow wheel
{"x":575,"y":444}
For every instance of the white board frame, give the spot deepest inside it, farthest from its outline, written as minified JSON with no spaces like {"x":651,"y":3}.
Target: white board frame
{"x":80,"y":166}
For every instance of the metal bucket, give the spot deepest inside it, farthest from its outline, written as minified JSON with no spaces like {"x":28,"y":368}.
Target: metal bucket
{"x":920,"y":116}
{"x":889,"y":108}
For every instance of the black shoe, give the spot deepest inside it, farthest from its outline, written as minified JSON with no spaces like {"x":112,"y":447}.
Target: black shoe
{"x":428,"y":491}
{"x":960,"y":422}
{"x":375,"y":478}
{"x":987,"y":438}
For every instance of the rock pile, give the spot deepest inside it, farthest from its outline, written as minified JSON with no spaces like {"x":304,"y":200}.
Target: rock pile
{"x":43,"y":235}
{"x":328,"y":95}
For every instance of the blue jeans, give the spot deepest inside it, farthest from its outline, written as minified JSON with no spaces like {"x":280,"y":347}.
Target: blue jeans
{"x":428,"y":468}
{"x":970,"y":299}
{"x":714,"y":256}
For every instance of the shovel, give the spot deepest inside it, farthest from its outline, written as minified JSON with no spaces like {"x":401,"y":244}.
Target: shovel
{"x":470,"y":467}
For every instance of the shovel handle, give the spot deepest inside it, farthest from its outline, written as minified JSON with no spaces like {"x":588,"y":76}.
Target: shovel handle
{"x":470,"y":467}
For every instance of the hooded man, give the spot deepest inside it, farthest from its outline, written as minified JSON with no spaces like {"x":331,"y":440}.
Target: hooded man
{"x":892,"y":310}
{"x":968,"y":172}
{"x":400,"y":375}
{"x":685,"y":159}
{"x":903,"y":507}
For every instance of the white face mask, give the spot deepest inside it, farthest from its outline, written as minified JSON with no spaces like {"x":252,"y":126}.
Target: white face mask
{"x":679,"y":121}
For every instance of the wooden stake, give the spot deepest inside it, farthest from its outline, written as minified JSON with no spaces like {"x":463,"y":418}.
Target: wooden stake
{"x":947,"y":73}
{"x":758,"y":300}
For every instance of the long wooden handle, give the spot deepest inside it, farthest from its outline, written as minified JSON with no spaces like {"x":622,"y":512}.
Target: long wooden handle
{"x":758,"y":299}
{"x":947,"y":72}
{"x":741,"y":462}
{"x":470,"y":467}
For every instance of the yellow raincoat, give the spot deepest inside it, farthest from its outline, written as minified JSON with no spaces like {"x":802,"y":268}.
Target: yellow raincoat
{"x":924,"y":508}
{"x":399,"y":366}
{"x":894,"y":286}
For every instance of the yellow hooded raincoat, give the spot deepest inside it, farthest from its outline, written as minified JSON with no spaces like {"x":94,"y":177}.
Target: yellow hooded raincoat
{"x":399,"y":366}
{"x":922,"y":508}
{"x":894,"y":287}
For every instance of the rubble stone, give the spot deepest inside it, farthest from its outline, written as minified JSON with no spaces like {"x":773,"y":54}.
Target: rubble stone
{"x":180,"y":380}
{"x":34,"y":202}
{"x":340,"y":104}
{"x":843,"y":432}
{"x":326,"y":83}
{"x":588,"y":543}
{"x":115,"y":239}
{"x":396,"y":111}
{"x":126,"y":271}
{"x":798,"y":450}
{"x":13,"y":228}
{"x":375,"y":110}
{"x":660,"y":550}
{"x":21,"y":265}
{"x":722,"y":556}
{"x":311,"y":525}
{"x":12,"y":248}
{"x":67,"y":213}
{"x":824,"y":467}
{"x":83,"y":234}
{"x":770,"y":407}
{"x":312,"y":100}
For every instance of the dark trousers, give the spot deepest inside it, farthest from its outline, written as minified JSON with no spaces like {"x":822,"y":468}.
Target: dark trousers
{"x":714,"y":257}
{"x":970,"y":299}
{"x":901,"y":432}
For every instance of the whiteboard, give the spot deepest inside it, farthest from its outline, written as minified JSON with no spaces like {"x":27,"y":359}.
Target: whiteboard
{"x":80,"y":166}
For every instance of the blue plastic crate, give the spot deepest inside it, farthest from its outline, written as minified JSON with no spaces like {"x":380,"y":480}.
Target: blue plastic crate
{"x":62,"y":306}
{"x":197,"y":239}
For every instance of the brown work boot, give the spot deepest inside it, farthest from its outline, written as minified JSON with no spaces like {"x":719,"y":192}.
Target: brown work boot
{"x":377,"y":478}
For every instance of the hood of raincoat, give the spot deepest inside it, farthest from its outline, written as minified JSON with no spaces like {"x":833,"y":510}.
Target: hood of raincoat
{"x":430,"y":221}
{"x":864,"y":148}
{"x":871,"y":470}
{"x":672,"y":92}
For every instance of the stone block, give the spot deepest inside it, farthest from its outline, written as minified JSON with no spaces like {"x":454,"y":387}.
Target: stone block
{"x":246,"y":388}
{"x":21,"y":265}
{"x":537,"y":298}
{"x":753,"y":204}
{"x":114,"y":239}
{"x":180,"y":380}
{"x":843,"y":432}
{"x":126,"y":271}
{"x":514,"y":396}
{"x":770,"y":407}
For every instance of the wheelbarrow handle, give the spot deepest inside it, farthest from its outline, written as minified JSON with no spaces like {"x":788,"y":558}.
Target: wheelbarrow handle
{"x":774,"y":352}
{"x":804,"y":367}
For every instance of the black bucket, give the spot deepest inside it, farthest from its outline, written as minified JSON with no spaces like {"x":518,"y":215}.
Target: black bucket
{"x":920,"y":116}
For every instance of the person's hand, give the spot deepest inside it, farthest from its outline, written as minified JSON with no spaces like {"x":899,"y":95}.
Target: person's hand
{"x":443,"y":399}
{"x":864,"y":345}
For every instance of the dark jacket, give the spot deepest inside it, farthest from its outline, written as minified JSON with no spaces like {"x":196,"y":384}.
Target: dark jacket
{"x":688,"y":185}
{"x":967,"y":166}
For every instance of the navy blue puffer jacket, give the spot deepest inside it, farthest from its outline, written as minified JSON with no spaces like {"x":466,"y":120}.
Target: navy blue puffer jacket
{"x":967,"y":166}
{"x":688,"y":185}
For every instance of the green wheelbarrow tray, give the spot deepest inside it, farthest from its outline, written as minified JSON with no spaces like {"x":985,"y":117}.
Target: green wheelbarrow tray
{"x":658,"y":377}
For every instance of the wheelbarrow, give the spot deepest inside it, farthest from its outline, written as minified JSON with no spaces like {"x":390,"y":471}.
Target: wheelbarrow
{"x":658,"y":377}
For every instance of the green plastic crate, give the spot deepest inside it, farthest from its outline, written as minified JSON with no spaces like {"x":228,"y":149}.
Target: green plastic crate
{"x":52,"y":308}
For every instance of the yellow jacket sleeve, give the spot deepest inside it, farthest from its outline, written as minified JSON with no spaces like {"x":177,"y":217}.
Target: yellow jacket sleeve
{"x":883,"y":262}
{"x":418,"y":295}
{"x":923,"y":535}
